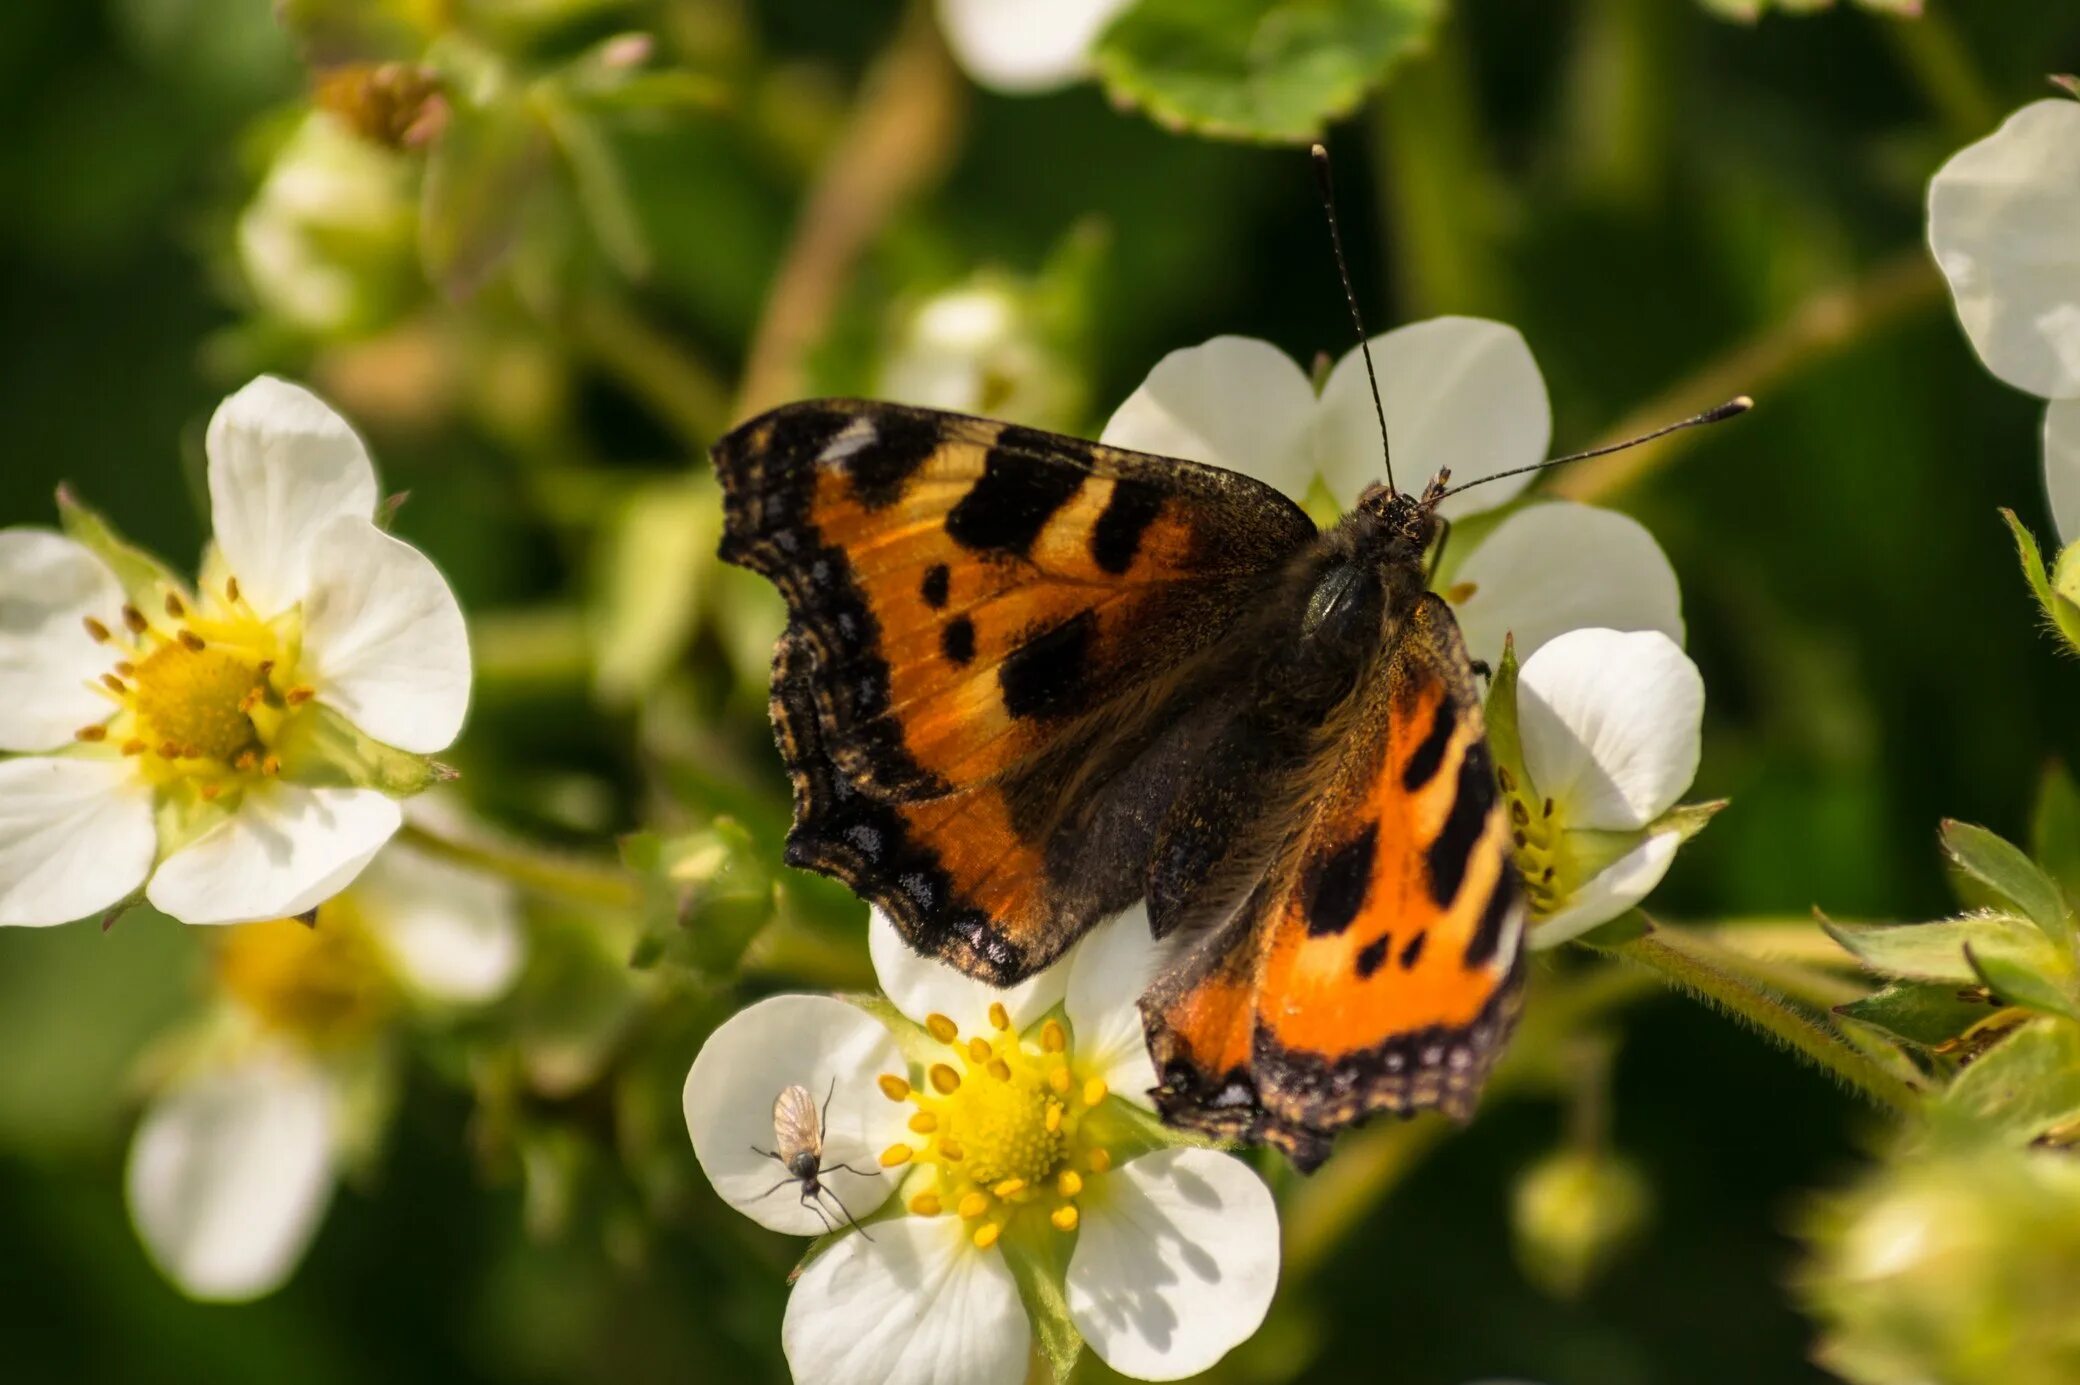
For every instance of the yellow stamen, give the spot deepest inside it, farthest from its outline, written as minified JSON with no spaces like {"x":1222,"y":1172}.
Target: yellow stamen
{"x":134,"y":747}
{"x":979,"y":1050}
{"x":271,"y":766}
{"x":210,"y":792}
{"x":1094,"y":1091}
{"x":96,"y":630}
{"x":893,"y":1087}
{"x":942,"y":1028}
{"x":1054,"y":1117}
{"x":124,"y":668}
{"x":926,"y":1205}
{"x":924,"y":1122}
{"x":174,"y":607}
{"x":231,"y":590}
{"x":192,"y":642}
{"x":999,"y":1069}
{"x":986,"y":1235}
{"x":114,"y":684}
{"x":1058,"y":1079}
{"x":300,"y":694}
{"x":1053,"y":1037}
{"x":974,"y":1205}
{"x":1069,"y":1184}
{"x":945,"y":1081}
{"x":1064,"y":1217}
{"x":896,"y":1155}
{"x":999,"y":1017}
{"x":91,"y":733}
{"x":134,"y":618}
{"x":1101,"y":1159}
{"x":951,"y":1151}
{"x":1010,"y":1187}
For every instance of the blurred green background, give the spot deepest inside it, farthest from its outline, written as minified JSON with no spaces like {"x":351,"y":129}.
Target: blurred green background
{"x":1645,"y":190}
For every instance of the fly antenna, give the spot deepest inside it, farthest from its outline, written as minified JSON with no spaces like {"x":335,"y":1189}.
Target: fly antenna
{"x":1326,"y":185}
{"x":1732,"y":408}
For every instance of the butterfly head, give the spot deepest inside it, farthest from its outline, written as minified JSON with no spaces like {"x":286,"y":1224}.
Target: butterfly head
{"x":1401,"y":517}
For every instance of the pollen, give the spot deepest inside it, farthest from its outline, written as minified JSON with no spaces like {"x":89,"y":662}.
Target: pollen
{"x":926,"y":1205}
{"x":942,"y":1028}
{"x":893,"y":1087}
{"x":896,"y":1155}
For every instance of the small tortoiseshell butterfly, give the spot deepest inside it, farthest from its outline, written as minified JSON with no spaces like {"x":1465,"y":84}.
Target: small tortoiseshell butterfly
{"x":1028,"y":680}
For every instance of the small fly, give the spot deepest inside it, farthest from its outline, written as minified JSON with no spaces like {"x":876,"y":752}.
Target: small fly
{"x":798,"y":1130}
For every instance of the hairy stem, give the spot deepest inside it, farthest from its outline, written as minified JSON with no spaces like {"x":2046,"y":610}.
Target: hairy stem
{"x":1689,"y":963}
{"x":570,"y":878}
{"x":1828,"y":322}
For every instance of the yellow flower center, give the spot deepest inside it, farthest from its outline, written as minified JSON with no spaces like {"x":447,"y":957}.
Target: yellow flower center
{"x":325,"y":983}
{"x":1001,"y":1121}
{"x":200,"y":690}
{"x":1538,"y":827}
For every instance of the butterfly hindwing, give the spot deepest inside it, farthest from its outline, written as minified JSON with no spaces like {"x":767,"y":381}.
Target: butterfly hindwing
{"x":1376,"y":967}
{"x":985,"y":622}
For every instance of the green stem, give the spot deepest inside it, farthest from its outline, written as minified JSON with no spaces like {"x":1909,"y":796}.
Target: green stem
{"x":1689,"y":963}
{"x":683,"y":391}
{"x":565,"y":877}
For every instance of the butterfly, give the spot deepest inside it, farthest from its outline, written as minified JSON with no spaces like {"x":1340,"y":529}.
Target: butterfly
{"x":1029,"y":680}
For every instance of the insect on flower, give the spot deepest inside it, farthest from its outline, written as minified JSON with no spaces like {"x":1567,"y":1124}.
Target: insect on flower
{"x":798,"y":1126}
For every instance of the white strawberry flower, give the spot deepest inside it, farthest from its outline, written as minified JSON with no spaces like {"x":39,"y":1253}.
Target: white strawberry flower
{"x":1002,"y":1150}
{"x":1025,"y":46}
{"x":1607,"y":734}
{"x":1459,"y":392}
{"x":202,"y":743}
{"x":240,"y":1147}
{"x":2004,"y":226}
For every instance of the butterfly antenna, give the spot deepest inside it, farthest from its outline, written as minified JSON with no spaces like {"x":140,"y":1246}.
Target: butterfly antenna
{"x":1326,"y":185}
{"x":1732,"y":408}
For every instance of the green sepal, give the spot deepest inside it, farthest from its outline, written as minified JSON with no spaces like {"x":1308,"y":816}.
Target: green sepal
{"x":1936,"y":951}
{"x":2059,"y":608}
{"x":2066,"y":83}
{"x":1038,"y":1257}
{"x":181,"y":818}
{"x":1926,"y":1015}
{"x":1505,"y":744}
{"x":919,"y":1048}
{"x":1628,"y":927}
{"x":1686,"y":820}
{"x":2021,"y":985}
{"x":2002,"y":867}
{"x":319,"y":747}
{"x":2022,"y":1088}
{"x":145,"y":581}
{"x":708,"y":895}
{"x":1271,"y":70}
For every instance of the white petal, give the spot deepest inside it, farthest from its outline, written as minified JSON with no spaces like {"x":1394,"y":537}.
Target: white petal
{"x":2004,"y":223}
{"x":921,"y":986}
{"x":1557,"y":567}
{"x":1611,"y":725}
{"x":454,"y":933}
{"x":282,"y":465}
{"x":1175,"y":1263}
{"x":834,"y":1049}
{"x":1025,"y":45}
{"x":1459,"y":392}
{"x":2062,"y":466}
{"x":1234,"y":402}
{"x":49,"y":585}
{"x":1107,"y":974}
{"x":76,"y":835}
{"x":229,"y":1174}
{"x":285,"y":850}
{"x":383,"y":639}
{"x":916,"y":1305}
{"x":1611,"y":891}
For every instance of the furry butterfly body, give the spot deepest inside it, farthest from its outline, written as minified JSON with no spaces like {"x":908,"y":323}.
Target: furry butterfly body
{"x":1029,"y":680}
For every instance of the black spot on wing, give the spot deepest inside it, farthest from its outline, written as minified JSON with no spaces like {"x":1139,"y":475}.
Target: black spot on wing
{"x":1423,"y":765}
{"x":1117,"y":537}
{"x":938,"y":583}
{"x":957,"y":640}
{"x":1046,"y":675}
{"x":1018,"y":493}
{"x":882,"y":467}
{"x":1413,"y":953}
{"x":1487,"y":934}
{"x":1338,"y":884}
{"x":1453,"y":846}
{"x":1373,"y":955}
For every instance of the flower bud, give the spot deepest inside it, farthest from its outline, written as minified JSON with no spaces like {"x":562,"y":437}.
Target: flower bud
{"x":1573,"y":1214}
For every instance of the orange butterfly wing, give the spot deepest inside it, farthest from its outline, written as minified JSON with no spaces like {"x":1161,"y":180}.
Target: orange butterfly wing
{"x":980,"y":615}
{"x":1377,"y":965}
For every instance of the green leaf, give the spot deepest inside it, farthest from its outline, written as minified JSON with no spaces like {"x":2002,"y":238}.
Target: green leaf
{"x":2059,"y":608}
{"x":1928,"y":1016}
{"x":1936,"y":951}
{"x":652,"y":564}
{"x":2003,"y":868}
{"x":144,"y":579}
{"x":2021,"y":1088}
{"x":1036,"y":1255}
{"x":2020,"y":985}
{"x":1271,"y":70}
